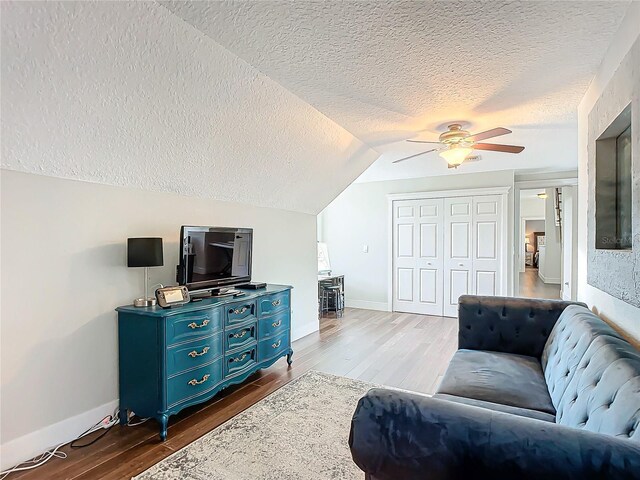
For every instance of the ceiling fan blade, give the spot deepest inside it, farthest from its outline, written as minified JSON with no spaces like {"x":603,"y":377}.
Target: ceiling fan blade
{"x":497,"y":147}
{"x":494,"y":132}
{"x":420,"y":141}
{"x":411,"y":156}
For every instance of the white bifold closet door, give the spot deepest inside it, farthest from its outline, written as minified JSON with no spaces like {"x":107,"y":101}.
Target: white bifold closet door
{"x":444,"y":248}
{"x":418,"y":256}
{"x":458,"y":251}
{"x":487,"y":245}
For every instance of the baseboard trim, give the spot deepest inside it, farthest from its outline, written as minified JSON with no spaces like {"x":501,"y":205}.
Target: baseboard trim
{"x":303,"y":332}
{"x":367,"y":305}
{"x":549,"y":279}
{"x":34,"y":443}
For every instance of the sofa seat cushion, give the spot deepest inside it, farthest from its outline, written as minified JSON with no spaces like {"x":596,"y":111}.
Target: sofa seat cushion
{"x":503,"y":378}
{"x":496,"y":407}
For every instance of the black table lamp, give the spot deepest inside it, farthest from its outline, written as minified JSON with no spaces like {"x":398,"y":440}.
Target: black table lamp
{"x":144,"y":252}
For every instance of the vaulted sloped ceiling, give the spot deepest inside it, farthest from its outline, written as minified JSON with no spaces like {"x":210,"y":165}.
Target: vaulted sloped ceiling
{"x":393,"y":70}
{"x":246,"y":101}
{"x":127,"y":93}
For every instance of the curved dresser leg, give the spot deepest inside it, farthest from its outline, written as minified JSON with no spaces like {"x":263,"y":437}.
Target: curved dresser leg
{"x":289,"y":359}
{"x":164,"y":422}
{"x":123,"y":415}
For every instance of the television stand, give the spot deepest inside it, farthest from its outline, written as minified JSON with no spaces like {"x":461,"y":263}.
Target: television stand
{"x":171,"y":359}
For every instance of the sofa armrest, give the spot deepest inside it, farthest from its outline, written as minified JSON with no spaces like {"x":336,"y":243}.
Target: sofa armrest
{"x":403,"y":436}
{"x":507,"y":324}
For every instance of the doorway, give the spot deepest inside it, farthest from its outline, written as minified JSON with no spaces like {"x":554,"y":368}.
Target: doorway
{"x":546,"y":242}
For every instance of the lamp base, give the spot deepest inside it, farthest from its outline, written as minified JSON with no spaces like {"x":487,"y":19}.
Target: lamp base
{"x":144,"y":302}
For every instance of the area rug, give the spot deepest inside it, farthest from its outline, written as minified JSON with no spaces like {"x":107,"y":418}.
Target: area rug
{"x":300,"y":431}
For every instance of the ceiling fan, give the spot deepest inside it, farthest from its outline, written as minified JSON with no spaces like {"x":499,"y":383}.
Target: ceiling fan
{"x":457,"y":145}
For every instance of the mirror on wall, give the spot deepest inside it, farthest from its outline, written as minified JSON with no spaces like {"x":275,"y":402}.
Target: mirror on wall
{"x":613,"y":185}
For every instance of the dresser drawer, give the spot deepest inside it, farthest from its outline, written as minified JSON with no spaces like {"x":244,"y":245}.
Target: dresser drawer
{"x":203,"y":322}
{"x":193,"y":383}
{"x":241,"y":336}
{"x":274,"y":303}
{"x":240,"y":312}
{"x":240,"y":361}
{"x":274,"y":346}
{"x":193,"y":354}
{"x":275,"y":324}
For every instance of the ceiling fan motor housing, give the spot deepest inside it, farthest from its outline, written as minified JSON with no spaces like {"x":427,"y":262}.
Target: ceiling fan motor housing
{"x":454,"y":135}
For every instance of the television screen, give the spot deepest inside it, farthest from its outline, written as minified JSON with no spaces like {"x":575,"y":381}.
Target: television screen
{"x":212,"y":257}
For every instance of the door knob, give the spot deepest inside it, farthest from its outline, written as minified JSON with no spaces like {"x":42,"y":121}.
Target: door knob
{"x":461,"y":264}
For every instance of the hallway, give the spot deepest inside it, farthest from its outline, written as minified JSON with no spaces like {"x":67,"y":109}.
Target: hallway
{"x":533,"y":287}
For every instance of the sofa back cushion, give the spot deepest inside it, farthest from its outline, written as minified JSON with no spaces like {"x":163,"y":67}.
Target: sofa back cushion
{"x":576,"y":328}
{"x":593,"y":375}
{"x":507,"y":324}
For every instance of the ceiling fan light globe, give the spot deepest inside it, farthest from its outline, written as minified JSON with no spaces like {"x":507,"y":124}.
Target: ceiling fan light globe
{"x":456,"y":155}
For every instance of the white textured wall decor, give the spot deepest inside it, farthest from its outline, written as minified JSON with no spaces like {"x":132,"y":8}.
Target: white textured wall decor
{"x":126,"y":93}
{"x":616,"y":272}
{"x":618,"y":68}
{"x":388,"y":71}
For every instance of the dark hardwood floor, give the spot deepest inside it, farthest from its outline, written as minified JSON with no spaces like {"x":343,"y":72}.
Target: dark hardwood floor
{"x":401,"y":350}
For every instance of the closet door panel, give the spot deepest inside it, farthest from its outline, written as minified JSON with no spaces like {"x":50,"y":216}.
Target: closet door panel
{"x":418,"y":256}
{"x":458,"y":255}
{"x":487,"y":229}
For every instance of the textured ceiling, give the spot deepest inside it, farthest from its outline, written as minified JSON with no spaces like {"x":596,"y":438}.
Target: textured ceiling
{"x":126,"y":93}
{"x":388,"y":71}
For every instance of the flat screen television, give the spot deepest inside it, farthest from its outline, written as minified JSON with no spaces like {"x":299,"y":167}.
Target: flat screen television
{"x":212,"y":258}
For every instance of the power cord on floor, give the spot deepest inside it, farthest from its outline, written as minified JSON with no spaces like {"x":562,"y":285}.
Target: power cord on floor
{"x":106,"y":423}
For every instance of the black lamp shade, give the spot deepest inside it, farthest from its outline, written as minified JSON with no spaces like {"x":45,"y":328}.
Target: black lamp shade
{"x":144,"y":252}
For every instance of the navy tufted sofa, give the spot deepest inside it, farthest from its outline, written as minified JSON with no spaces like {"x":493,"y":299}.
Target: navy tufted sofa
{"x":539,"y":389}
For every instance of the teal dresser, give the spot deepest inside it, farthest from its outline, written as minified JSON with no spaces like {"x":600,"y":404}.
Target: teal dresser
{"x":177,"y":357}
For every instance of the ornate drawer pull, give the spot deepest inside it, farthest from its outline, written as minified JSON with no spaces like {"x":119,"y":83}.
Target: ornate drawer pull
{"x":277,"y":344}
{"x":239,"y":311}
{"x":275,"y":303}
{"x":239,"y":359}
{"x":276,"y":324}
{"x":241,"y":334}
{"x":198,"y":382}
{"x":195,"y":325}
{"x":195,"y":354}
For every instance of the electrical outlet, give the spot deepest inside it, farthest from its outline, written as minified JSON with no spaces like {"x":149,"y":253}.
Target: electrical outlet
{"x":365,"y":248}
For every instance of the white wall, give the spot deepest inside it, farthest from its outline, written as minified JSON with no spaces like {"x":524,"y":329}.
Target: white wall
{"x":532,"y":207}
{"x":533,"y":226}
{"x":360,"y":216}
{"x":64,"y":271}
{"x":621,"y":314}
{"x":550,"y":269}
{"x":569,"y":243}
